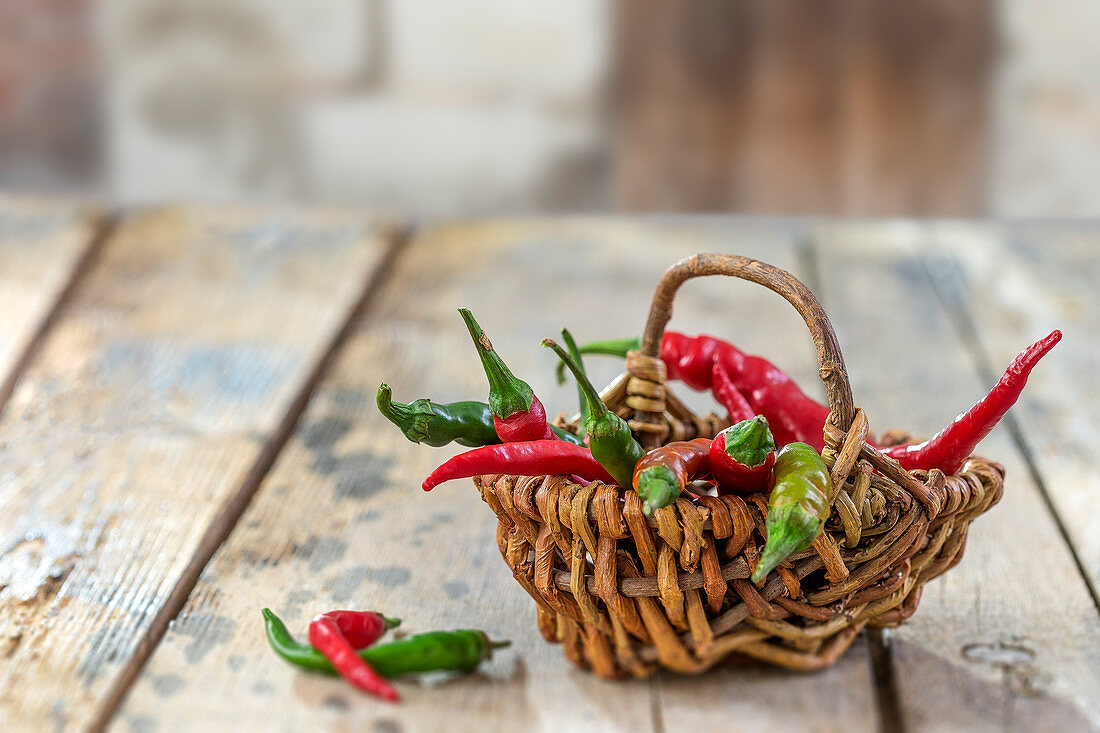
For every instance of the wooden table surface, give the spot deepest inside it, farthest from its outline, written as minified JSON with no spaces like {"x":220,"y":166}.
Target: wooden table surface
{"x":188,"y":434}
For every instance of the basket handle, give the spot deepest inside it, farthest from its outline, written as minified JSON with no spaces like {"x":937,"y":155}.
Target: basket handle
{"x":832,"y":370}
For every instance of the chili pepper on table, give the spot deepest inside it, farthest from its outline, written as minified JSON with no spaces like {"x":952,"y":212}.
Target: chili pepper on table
{"x":460,"y":651}
{"x":608,"y":434}
{"x":325,"y":635}
{"x":527,"y":458}
{"x":727,"y":395}
{"x":467,"y":423}
{"x":948,"y":449}
{"x":800,"y":501}
{"x":742,"y":456}
{"x":517,"y":413}
{"x":663,"y":473}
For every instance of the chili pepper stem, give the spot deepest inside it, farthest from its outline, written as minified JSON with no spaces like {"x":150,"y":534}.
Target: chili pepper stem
{"x":658,"y":487}
{"x":391,"y":623}
{"x":412,"y":418}
{"x":582,"y":401}
{"x":788,"y":527}
{"x":609,"y":436}
{"x":749,"y":442}
{"x":508,"y":394}
{"x":610,"y":347}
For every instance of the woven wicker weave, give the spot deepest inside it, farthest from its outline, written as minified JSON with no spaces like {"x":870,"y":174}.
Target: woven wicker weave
{"x":627,"y":593}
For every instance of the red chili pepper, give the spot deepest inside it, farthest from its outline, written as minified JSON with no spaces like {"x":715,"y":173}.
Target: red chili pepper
{"x":361,"y":628}
{"x":663,"y":473}
{"x":742,"y":456}
{"x":948,"y":449}
{"x":325,"y":635}
{"x":727,"y":395}
{"x":795,"y":417}
{"x":518,"y":414}
{"x":528,"y":458}
{"x":792,"y":415}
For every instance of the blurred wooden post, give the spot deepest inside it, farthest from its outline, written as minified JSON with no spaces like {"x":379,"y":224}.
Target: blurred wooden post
{"x":778,"y":106}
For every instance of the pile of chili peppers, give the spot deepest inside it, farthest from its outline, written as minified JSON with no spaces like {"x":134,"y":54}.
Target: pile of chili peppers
{"x":773,"y":445}
{"x":343,"y":642}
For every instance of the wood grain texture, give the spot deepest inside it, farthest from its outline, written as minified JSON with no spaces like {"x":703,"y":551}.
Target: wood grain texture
{"x":1015,"y":284}
{"x":341,"y":521}
{"x":1008,"y":639}
{"x":145,"y":406}
{"x":41,"y":244}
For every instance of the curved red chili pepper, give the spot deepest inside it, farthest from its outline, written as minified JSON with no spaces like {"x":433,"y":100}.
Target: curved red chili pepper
{"x":527,"y":458}
{"x":948,"y":449}
{"x":792,"y":415}
{"x":518,"y":414}
{"x":727,"y":395}
{"x":325,"y":635}
{"x":795,"y":417}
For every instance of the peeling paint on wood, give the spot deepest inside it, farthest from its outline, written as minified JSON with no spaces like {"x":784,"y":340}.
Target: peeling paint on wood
{"x":178,"y":353}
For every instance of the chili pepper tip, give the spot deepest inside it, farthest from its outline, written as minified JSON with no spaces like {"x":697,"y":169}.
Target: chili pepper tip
{"x":508,"y":395}
{"x":791,"y":529}
{"x":658,"y":487}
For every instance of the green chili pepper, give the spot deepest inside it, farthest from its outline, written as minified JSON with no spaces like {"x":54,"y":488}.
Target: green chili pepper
{"x":466,"y":423}
{"x":610,"y":347}
{"x":460,"y":650}
{"x":574,"y":352}
{"x":608,"y":434}
{"x":799,"y":504}
{"x":423,"y":421}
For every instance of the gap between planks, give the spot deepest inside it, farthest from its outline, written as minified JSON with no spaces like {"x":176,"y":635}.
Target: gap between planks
{"x":886,"y":689}
{"x":224,"y":522}
{"x":102,"y":228}
{"x":879,"y":653}
{"x":954,"y":300}
{"x":656,"y":714}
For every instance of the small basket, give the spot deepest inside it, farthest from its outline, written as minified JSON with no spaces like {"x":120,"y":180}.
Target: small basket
{"x":627,"y":594}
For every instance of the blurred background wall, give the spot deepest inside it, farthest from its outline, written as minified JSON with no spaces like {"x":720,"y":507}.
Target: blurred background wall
{"x":930,"y":107}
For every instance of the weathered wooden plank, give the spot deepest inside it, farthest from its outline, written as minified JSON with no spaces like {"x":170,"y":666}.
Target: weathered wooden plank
{"x":1017,"y":283}
{"x":1008,"y":639}
{"x":340,"y":521}
{"x":136,"y":421}
{"x":41,"y":245}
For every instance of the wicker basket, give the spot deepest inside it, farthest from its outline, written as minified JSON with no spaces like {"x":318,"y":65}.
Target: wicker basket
{"x":627,"y":593}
